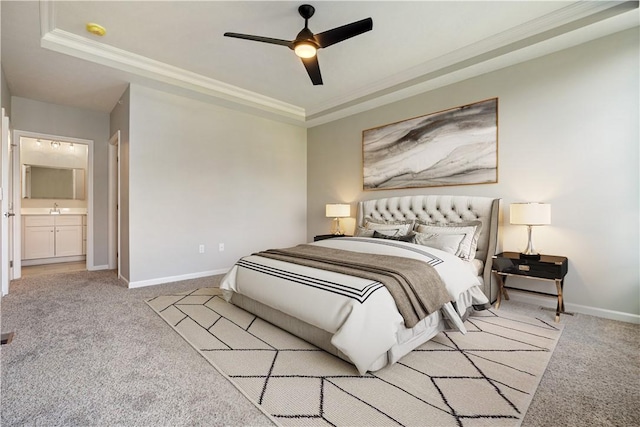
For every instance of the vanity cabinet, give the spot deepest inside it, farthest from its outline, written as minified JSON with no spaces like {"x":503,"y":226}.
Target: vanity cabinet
{"x":52,"y":236}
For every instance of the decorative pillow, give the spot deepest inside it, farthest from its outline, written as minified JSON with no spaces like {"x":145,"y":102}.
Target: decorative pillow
{"x":471,"y":230}
{"x":363,"y":232}
{"x":393,"y":228}
{"x":406,"y":238}
{"x":445,"y":242}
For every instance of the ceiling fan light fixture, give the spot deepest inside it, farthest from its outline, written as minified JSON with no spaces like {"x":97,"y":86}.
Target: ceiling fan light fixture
{"x":305,"y":50}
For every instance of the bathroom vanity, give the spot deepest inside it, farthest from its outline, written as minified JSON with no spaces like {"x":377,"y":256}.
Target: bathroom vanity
{"x":53,"y":238}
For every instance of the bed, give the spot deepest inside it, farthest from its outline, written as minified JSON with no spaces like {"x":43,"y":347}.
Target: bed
{"x":357,"y":317}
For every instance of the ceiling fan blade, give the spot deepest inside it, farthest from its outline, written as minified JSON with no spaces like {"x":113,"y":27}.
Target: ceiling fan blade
{"x":269,"y":40}
{"x":313,"y":69}
{"x":344,"y":32}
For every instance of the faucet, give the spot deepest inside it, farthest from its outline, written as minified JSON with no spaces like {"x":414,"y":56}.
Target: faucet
{"x":55,"y":206}
{"x":55,"y":209}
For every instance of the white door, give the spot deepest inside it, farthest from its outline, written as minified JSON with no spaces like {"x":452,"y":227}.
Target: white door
{"x":6,"y":203}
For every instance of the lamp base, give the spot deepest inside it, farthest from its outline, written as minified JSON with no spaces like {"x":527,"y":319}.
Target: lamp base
{"x":530,"y":256}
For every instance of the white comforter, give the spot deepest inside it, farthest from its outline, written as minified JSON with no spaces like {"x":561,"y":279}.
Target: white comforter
{"x":360,"y":313}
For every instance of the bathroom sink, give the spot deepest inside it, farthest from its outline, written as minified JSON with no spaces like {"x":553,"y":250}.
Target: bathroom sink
{"x":50,"y":211}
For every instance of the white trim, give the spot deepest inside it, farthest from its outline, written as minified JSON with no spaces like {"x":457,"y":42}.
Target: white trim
{"x":99,"y":267}
{"x":171,"y":279}
{"x":114,"y":201}
{"x":550,"y":302}
{"x":5,"y":182}
{"x":58,"y":260}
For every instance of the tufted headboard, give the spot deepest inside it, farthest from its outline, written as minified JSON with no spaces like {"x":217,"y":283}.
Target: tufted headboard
{"x":444,"y":209}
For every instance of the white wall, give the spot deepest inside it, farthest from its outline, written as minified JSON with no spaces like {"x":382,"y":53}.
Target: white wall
{"x":203,"y":174}
{"x":568,"y":135}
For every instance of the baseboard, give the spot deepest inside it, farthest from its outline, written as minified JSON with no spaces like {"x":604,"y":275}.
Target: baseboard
{"x":162,"y":280}
{"x":56,"y":260}
{"x":99,"y":267}
{"x":573,"y":308}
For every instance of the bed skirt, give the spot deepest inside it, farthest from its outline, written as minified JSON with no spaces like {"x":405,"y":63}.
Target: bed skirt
{"x":411,"y":338}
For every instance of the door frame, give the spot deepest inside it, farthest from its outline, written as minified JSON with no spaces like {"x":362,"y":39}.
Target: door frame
{"x":114,"y":202}
{"x":17,"y":195}
{"x":6,"y":236}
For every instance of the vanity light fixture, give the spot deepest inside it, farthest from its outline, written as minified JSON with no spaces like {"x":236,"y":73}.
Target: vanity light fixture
{"x":71,"y":147}
{"x":337,"y":211}
{"x":530,"y":214}
{"x":55,"y":144}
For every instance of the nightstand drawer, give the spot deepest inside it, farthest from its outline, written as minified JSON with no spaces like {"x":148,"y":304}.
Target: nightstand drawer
{"x":547,"y":267}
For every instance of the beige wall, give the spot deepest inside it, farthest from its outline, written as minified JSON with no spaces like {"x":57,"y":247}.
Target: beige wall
{"x":568,"y":135}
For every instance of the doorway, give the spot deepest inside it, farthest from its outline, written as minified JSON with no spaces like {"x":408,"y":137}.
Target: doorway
{"x":52,"y":156}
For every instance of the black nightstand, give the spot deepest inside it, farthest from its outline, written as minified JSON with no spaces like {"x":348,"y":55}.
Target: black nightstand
{"x":548,"y":267}
{"x":328,"y":236}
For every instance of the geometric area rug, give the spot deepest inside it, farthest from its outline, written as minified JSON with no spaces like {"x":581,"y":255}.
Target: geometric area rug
{"x":484,"y":378}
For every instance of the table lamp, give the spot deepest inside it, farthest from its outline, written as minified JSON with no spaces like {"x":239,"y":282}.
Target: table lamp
{"x":530,"y":214}
{"x":337,"y":211}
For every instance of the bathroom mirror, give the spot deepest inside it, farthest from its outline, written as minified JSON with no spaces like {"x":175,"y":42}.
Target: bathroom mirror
{"x":44,"y":182}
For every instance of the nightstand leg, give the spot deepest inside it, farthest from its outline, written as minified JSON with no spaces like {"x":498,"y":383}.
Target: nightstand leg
{"x":560,"y":306}
{"x":501,"y":290}
{"x":505,"y":294}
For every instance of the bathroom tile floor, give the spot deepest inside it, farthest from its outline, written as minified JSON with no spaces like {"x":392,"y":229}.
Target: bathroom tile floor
{"x":64,"y":267}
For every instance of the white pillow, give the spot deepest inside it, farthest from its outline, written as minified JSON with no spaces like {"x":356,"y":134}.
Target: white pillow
{"x":445,"y":242}
{"x":390,"y":228}
{"x":469,"y":243}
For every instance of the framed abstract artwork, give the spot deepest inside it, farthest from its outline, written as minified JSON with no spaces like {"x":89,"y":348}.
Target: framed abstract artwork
{"x":458,"y":146}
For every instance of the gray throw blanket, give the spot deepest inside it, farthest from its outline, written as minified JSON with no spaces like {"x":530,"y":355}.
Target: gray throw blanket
{"x":415,"y":286}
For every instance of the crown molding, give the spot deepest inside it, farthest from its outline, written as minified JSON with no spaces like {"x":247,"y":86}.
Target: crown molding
{"x":522,"y":36}
{"x":498,"y":51}
{"x":84,"y":48}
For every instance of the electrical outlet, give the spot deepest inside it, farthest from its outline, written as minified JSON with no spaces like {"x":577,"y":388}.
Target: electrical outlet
{"x":221,"y":247}
{"x":201,"y":249}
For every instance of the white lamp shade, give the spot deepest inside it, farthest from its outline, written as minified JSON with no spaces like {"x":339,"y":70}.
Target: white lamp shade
{"x":337,"y":210}
{"x":530,"y":213}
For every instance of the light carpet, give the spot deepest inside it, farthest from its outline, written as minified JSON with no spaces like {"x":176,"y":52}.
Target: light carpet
{"x":484,"y":378}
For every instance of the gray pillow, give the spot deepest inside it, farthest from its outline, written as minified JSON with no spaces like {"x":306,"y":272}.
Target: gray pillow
{"x":406,"y":238}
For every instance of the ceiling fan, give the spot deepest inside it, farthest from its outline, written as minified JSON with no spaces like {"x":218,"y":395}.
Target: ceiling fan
{"x":306,"y":44}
